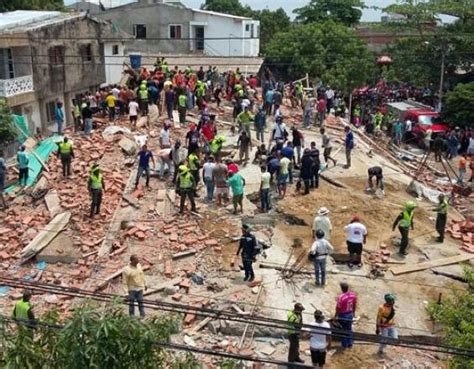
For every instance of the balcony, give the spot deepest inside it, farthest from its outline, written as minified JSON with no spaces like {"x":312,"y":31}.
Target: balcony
{"x":16,"y":86}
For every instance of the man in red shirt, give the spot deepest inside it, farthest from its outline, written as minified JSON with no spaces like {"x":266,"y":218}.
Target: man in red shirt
{"x":345,"y":311}
{"x":321,"y":110}
{"x":253,"y":82}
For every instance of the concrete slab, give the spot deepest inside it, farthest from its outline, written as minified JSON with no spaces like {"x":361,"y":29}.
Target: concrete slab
{"x":53,"y":203}
{"x":127,"y":145}
{"x":60,"y":250}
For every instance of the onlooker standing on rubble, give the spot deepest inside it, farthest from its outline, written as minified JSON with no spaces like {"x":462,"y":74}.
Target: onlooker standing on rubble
{"x":219,"y":176}
{"x":111,"y":102}
{"x":441,"y":217}
{"x":345,"y":310}
{"x":306,"y":171}
{"x":386,"y":321}
{"x":23,"y":161}
{"x":59,"y":117}
{"x":320,"y":250}
{"x":144,"y":156}
{"x":295,"y":323}
{"x":320,"y":340}
{"x":356,"y":237}
{"x":298,"y":143}
{"x":349,"y":144}
{"x":133,"y":112}
{"x":207,"y":171}
{"x":178,"y":155}
{"x":186,"y":187}
{"x":96,"y":186}
{"x":237,"y":184}
{"x":279,"y":131}
{"x":87,"y":116}
{"x":323,"y":223}
{"x":182,"y":105}
{"x":462,"y":167}
{"x":260,"y":123}
{"x":405,"y":222}
{"x":327,"y":146}
{"x":245,"y":145}
{"x":3,"y":176}
{"x":65,"y":153}
{"x":165,"y":141}
{"x":135,"y":284}
{"x":265,"y":189}
{"x":321,"y":111}
{"x":247,"y":249}
{"x":314,"y":152}
{"x":283,"y":174}
{"x":165,"y":159}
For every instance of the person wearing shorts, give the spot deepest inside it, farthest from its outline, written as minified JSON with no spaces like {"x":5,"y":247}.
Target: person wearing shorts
{"x":283,"y":175}
{"x":219,"y":175}
{"x":320,"y":339}
{"x":356,"y":237}
{"x":133,"y":111}
{"x":237,"y":183}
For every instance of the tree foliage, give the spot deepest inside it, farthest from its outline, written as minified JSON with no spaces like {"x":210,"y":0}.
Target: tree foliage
{"x":11,"y":5}
{"x":93,"y":339}
{"x":311,"y":48}
{"x":233,"y":7}
{"x":8,"y":132}
{"x":347,"y":12}
{"x":458,"y":105}
{"x":456,"y":314}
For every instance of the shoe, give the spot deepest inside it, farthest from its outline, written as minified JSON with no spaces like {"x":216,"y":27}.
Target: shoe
{"x":251,"y":278}
{"x":299,"y":360}
{"x":403,"y":253}
{"x":440,"y":240}
{"x":246,"y":279}
{"x":350,"y":265}
{"x":359,"y":265}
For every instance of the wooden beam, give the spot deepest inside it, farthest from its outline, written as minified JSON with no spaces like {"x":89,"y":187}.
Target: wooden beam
{"x":162,"y":286}
{"x":431,"y":264}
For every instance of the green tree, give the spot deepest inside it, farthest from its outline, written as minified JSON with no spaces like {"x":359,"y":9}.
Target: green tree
{"x":233,"y":7}
{"x":458,"y":105}
{"x":95,"y":339}
{"x":8,"y":132}
{"x":347,"y":12}
{"x":11,"y":5}
{"x":456,"y":314}
{"x":328,"y":51}
{"x":271,"y":22}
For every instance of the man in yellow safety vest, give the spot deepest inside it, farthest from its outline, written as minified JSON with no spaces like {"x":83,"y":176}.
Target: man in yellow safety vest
{"x":182,"y":103}
{"x":295,"y":323}
{"x":96,"y":186}
{"x":65,"y":153}
{"x":185,"y":185}
{"x":23,"y":312}
{"x":405,"y":222}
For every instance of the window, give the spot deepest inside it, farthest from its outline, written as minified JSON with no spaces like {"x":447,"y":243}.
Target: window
{"x":139,"y":31}
{"x":252,"y":30}
{"x":50,"y":108}
{"x":247,"y":27}
{"x":86,"y":53}
{"x":175,"y":31}
{"x":56,"y":55}
{"x":115,"y":49}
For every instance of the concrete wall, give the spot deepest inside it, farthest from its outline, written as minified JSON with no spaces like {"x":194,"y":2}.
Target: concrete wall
{"x":157,"y":19}
{"x":251,"y":45}
{"x":114,"y":63}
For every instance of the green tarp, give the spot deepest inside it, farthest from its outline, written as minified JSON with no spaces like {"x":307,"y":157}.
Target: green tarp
{"x":22,"y":127}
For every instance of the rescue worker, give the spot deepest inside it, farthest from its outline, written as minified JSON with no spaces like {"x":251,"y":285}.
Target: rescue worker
{"x":386,"y":321}
{"x":216,"y":145}
{"x":441,"y":217}
{"x":376,"y":172}
{"x":247,"y":249}
{"x":96,"y":186}
{"x":295,"y":323}
{"x":194,"y":165}
{"x":185,"y":186}
{"x":182,"y":103}
{"x":378,"y":119}
{"x":65,"y":153}
{"x":405,"y":222}
{"x":23,"y":312}
{"x":143,"y":98}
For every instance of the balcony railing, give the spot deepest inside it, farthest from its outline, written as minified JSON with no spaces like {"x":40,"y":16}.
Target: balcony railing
{"x":16,"y":86}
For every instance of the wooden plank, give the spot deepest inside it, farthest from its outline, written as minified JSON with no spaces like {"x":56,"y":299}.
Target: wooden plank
{"x":162,"y":286}
{"x":431,"y":264}
{"x":183,"y":254}
{"x":43,"y":238}
{"x":206,"y":321}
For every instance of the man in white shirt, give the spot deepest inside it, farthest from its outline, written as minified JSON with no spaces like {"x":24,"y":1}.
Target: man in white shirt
{"x":207,"y":170}
{"x":116,"y":92}
{"x":265,"y":189}
{"x":323,"y":223}
{"x":356,"y":237}
{"x":283,"y":175}
{"x":279,"y":130}
{"x":320,"y":250}
{"x":165,"y":137}
{"x":133,"y":112}
{"x":320,"y":341}
{"x":165,"y":158}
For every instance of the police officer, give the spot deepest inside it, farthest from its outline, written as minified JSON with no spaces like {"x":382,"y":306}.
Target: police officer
{"x":65,"y":153}
{"x":247,"y":248}
{"x":194,"y":165}
{"x":441,"y":217}
{"x":295,"y":322}
{"x":23,"y":311}
{"x":376,"y":172}
{"x":182,"y":103}
{"x":405,"y":222}
{"x":96,"y":186}
{"x":143,"y":98}
{"x":185,"y":185}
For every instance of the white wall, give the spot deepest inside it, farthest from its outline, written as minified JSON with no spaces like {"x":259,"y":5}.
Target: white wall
{"x":225,"y":27}
{"x":113,"y":63}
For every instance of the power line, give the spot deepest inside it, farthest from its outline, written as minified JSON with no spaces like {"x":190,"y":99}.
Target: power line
{"x":219,"y":314}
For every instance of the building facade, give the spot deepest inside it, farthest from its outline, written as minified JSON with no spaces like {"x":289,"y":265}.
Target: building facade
{"x":46,"y":57}
{"x":171,"y":28}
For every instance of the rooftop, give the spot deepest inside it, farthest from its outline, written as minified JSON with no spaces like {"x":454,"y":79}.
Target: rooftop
{"x":24,"y":20}
{"x":220,"y":14}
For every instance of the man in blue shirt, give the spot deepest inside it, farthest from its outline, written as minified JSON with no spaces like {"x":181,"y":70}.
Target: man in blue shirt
{"x":349,"y":144}
{"x":23,"y":161}
{"x":269,"y":101}
{"x":59,"y":117}
{"x":144,"y":165}
{"x":260,"y":123}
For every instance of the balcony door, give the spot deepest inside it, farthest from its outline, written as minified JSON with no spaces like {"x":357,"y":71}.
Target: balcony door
{"x":7,"y":69}
{"x":199,"y":37}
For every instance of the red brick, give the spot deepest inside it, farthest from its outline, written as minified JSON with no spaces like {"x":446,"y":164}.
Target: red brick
{"x":254,"y":283}
{"x":189,"y":318}
{"x":4,"y":255}
{"x":173,"y":237}
{"x":140,"y":235}
{"x":212,"y":242}
{"x":168,"y":268}
{"x":185,"y":283}
{"x":177,"y":297}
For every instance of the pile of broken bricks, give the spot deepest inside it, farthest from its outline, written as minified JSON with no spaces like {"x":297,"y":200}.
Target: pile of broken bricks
{"x":463,"y":230}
